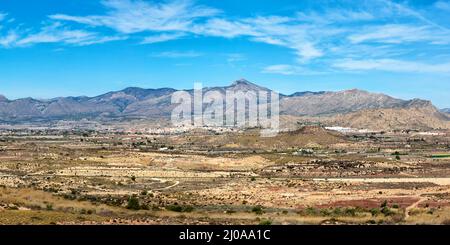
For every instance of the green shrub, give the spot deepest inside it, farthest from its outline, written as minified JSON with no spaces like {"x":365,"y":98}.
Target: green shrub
{"x":179,"y":208}
{"x":133,"y":203}
{"x":387,"y":211}
{"x":350,"y":212}
{"x":311,"y":211}
{"x":257,"y":210}
{"x":375,"y":211}
{"x":265,"y":222}
{"x":337,"y":211}
{"x":325,"y":212}
{"x":49,"y":207}
{"x":174,"y":208}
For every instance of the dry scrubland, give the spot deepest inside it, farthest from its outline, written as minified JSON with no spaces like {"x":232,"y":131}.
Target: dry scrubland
{"x":307,"y":176}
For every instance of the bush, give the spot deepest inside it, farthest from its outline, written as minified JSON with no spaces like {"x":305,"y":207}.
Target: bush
{"x":257,"y":209}
{"x":265,"y":222}
{"x":180,"y":208}
{"x":337,"y":211}
{"x":350,"y":212}
{"x":145,"y":207}
{"x":188,"y":209}
{"x":49,"y":207}
{"x":375,"y":211}
{"x":311,"y":211}
{"x":387,"y":211}
{"x":175,"y":208}
{"x":325,"y":212}
{"x":133,"y":203}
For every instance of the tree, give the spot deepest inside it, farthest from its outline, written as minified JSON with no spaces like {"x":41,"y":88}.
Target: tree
{"x":133,"y":203}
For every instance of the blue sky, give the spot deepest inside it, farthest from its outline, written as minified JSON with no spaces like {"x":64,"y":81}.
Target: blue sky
{"x":77,"y":47}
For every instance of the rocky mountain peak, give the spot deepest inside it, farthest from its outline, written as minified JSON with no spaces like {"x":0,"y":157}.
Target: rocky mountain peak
{"x":245,"y":85}
{"x":419,"y":103}
{"x":3,"y":98}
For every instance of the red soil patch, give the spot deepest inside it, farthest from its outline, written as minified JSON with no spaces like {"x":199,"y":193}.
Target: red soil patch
{"x":402,"y":202}
{"x":434,"y":204}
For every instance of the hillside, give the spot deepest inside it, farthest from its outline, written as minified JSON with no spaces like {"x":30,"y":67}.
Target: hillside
{"x":337,"y":102}
{"x":421,"y":116}
{"x":308,"y":136}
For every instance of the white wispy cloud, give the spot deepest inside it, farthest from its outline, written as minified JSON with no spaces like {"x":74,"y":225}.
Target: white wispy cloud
{"x":235,"y":57}
{"x":280,"y":69}
{"x":400,"y":33}
{"x":178,"y":54}
{"x":132,"y":16}
{"x":181,"y":17}
{"x":442,"y":5}
{"x":392,"y":65}
{"x":2,"y":16}
{"x":162,"y":37}
{"x":371,"y":36}
{"x":273,"y":30}
{"x":404,"y":10}
{"x":225,"y":28}
{"x":335,"y":15}
{"x":308,"y":34}
{"x":9,"y":39}
{"x":285,"y":69}
{"x":56,"y":33}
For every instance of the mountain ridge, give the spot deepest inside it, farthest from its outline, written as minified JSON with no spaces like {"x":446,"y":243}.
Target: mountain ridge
{"x":135,"y":102}
{"x":445,"y":110}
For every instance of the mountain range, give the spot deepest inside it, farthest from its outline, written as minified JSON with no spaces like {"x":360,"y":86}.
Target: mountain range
{"x":354,"y":107}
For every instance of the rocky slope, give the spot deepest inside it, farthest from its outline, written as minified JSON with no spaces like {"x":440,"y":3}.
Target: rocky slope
{"x":415,"y":116}
{"x":338,"y":102}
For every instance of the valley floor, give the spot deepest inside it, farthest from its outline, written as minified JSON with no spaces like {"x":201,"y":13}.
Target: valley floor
{"x":107,"y":178}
